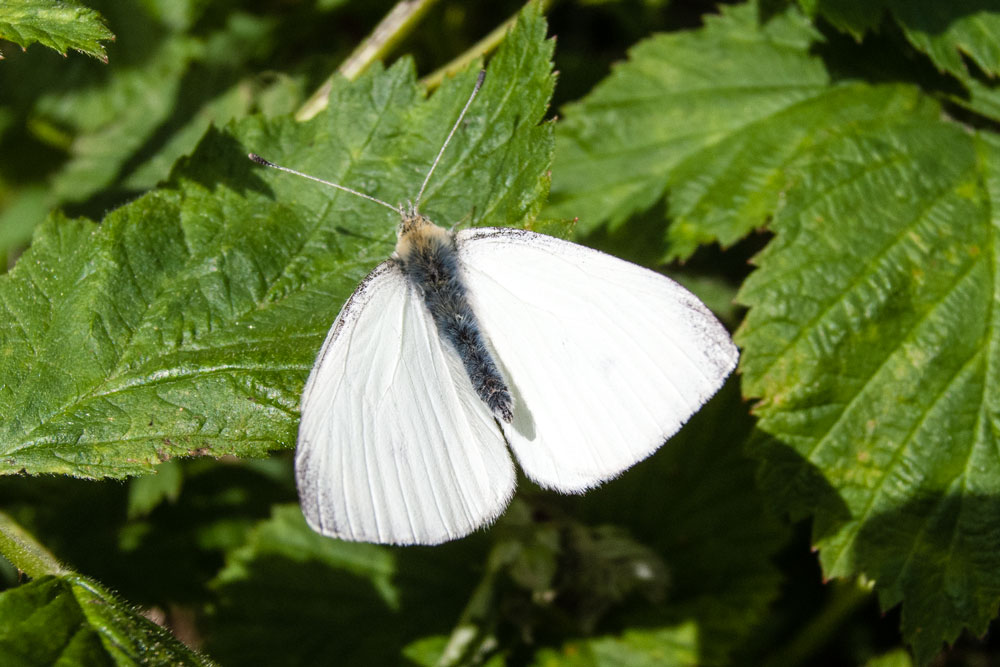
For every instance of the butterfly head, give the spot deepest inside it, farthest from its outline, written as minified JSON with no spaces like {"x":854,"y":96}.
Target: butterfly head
{"x":416,"y":233}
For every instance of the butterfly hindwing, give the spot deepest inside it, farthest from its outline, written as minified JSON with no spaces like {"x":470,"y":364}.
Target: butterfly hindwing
{"x":605,"y":359}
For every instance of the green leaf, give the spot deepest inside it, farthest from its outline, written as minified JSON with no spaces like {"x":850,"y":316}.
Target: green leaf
{"x":723,"y":141}
{"x":850,"y":16}
{"x":895,"y":658}
{"x":129,"y":125}
{"x":617,"y":148}
{"x":20,"y":215}
{"x":292,"y":597}
{"x":23,"y":551}
{"x":109,"y":367}
{"x":945,"y":31}
{"x":115,"y":132}
{"x":662,"y":646}
{"x":148,"y":491}
{"x":71,"y":620}
{"x":58,"y":24}
{"x":983,"y":98}
{"x":949,"y":31}
{"x":681,"y":502}
{"x":734,"y":186}
{"x":429,"y":651}
{"x":186,"y":323}
{"x":871,"y":341}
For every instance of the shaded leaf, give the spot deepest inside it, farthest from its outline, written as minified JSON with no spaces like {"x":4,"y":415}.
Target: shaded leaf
{"x":946,"y":31}
{"x":183,"y":541}
{"x":983,"y":98}
{"x":72,"y":620}
{"x":697,"y":504}
{"x":292,"y":597}
{"x":896,"y":658}
{"x":148,"y":491}
{"x":128,"y":126}
{"x":111,"y":122}
{"x":112,"y":133}
{"x":429,"y":652}
{"x":662,"y":646}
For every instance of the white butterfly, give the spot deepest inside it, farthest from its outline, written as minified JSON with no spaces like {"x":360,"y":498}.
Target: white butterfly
{"x":462,"y":344}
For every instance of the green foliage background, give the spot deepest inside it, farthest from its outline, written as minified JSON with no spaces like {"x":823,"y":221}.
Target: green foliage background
{"x":824,"y":174}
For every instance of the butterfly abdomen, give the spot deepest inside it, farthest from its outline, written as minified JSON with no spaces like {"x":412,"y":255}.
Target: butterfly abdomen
{"x":429,"y":259}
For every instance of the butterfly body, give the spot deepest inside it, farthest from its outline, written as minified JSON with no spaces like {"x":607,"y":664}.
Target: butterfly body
{"x":428,"y":257}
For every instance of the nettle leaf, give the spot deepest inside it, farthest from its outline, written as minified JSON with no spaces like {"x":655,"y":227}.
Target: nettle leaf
{"x":697,"y":504}
{"x":872,"y":340}
{"x":182,"y":541}
{"x":946,"y":31}
{"x":186,"y":323}
{"x":70,"y":619}
{"x":292,"y":597}
{"x":850,"y":16}
{"x":982,"y":98}
{"x":723,"y":141}
{"x":58,"y":24}
{"x":949,"y":32}
{"x":117,"y":131}
{"x":115,"y":116}
{"x":20,"y":215}
{"x":123,"y":128}
{"x":672,"y":563}
{"x":664,"y":647}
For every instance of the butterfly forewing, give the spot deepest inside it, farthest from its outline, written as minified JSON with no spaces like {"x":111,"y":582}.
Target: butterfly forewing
{"x":394,"y":445}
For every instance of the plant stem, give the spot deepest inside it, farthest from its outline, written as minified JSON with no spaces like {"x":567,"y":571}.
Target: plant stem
{"x":24,"y":552}
{"x":477,"y":50}
{"x":397,"y":24}
{"x":472,"y":635}
{"x":847,"y":596}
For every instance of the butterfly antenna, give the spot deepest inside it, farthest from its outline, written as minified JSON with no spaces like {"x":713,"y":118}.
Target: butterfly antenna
{"x":479,"y":83}
{"x":267,"y":163}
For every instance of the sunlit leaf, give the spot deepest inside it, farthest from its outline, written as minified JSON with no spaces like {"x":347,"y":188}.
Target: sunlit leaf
{"x":58,"y":24}
{"x":185,"y":323}
{"x":721,"y":142}
{"x":871,"y":340}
